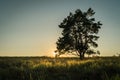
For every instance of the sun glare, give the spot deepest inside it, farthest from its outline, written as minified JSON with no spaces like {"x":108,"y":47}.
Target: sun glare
{"x":54,"y":53}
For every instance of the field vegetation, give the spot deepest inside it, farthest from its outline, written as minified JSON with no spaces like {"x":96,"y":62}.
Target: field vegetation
{"x":46,"y":68}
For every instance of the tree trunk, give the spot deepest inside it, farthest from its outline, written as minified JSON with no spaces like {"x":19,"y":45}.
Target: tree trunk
{"x":81,"y":55}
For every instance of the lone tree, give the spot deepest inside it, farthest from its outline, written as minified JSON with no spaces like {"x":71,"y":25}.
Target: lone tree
{"x":79,"y":33}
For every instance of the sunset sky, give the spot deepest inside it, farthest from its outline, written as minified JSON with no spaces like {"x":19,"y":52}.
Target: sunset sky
{"x":30,"y":27}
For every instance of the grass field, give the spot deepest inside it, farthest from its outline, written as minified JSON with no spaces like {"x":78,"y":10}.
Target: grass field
{"x":45,"y":68}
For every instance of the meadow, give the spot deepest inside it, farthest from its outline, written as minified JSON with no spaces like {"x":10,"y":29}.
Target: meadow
{"x":46,"y":68}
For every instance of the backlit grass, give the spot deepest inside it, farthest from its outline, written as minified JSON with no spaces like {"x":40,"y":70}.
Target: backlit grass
{"x":45,"y":68}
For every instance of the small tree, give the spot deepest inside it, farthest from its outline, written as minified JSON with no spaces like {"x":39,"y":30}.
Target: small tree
{"x":79,"y":33}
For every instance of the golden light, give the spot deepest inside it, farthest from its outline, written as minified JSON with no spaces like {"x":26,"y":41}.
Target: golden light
{"x":54,"y":53}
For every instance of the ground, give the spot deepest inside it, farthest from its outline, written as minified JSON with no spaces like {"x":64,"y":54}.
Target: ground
{"x":46,"y":68}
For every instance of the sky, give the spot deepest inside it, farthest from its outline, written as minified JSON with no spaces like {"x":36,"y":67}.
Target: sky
{"x":30,"y":27}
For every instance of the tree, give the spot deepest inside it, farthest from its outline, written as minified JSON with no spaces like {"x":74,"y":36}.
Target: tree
{"x":89,"y":52}
{"x":79,"y":33}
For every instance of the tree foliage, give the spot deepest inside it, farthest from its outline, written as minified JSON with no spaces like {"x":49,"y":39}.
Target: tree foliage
{"x":79,"y":33}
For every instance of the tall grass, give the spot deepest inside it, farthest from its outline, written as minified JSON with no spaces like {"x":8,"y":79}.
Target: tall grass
{"x":35,"y":68}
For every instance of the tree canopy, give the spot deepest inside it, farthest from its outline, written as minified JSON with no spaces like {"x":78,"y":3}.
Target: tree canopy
{"x":79,"y":33}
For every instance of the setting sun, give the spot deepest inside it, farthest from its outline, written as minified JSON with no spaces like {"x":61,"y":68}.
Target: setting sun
{"x":54,"y":53}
